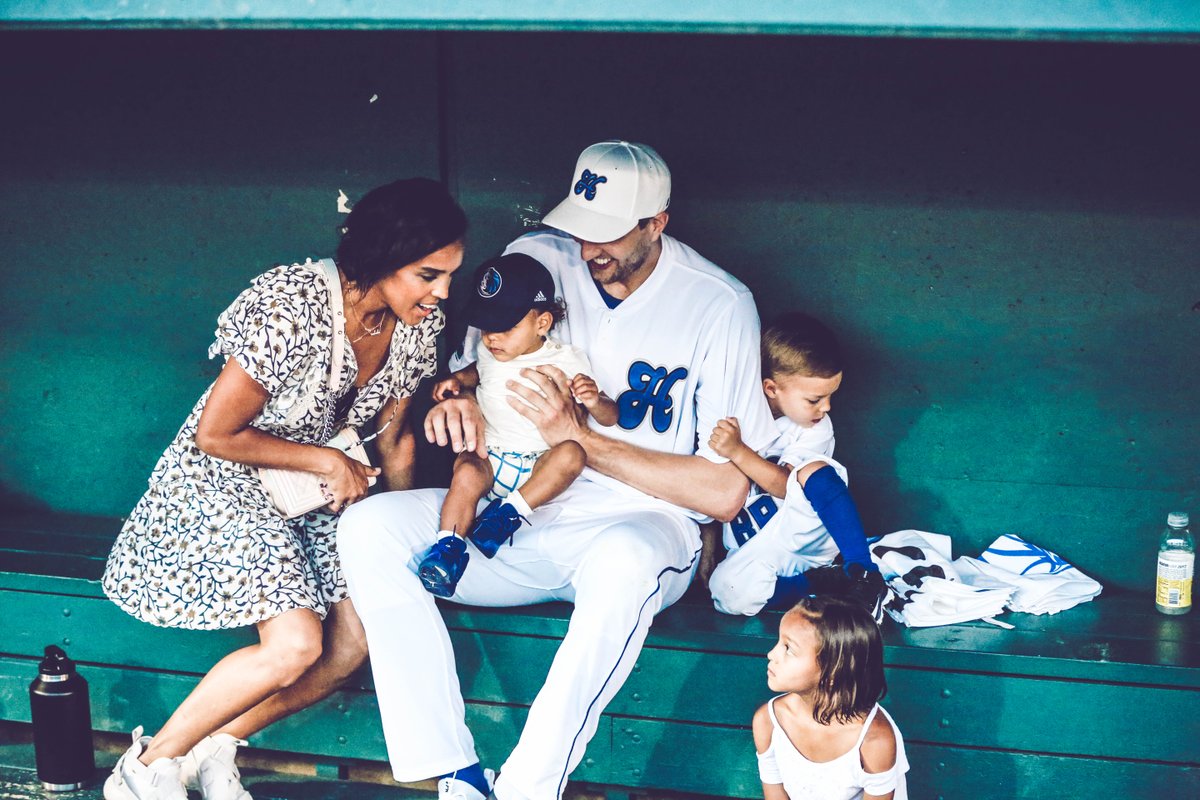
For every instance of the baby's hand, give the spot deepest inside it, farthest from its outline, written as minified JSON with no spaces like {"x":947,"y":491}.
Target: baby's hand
{"x":585,"y":390}
{"x":443,"y":389}
{"x":598,"y":404}
{"x":726,"y":438}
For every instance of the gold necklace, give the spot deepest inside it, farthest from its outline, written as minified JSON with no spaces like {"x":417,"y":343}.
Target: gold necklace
{"x":375,"y":331}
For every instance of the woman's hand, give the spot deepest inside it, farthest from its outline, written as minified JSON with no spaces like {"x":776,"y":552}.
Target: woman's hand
{"x":457,"y":422}
{"x":344,"y":480}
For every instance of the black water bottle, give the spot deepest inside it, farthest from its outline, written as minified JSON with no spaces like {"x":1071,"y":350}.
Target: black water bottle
{"x":62,"y":724}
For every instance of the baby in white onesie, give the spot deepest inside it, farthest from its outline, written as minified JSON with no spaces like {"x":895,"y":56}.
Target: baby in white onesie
{"x":514,"y":308}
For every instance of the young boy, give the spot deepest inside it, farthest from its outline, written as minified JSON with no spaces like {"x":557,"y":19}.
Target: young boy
{"x":799,"y":514}
{"x":514,"y":307}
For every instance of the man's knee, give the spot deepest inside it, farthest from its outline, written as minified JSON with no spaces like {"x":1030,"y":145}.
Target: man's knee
{"x":730,"y":601}
{"x":354,"y":530}
{"x":624,"y":562}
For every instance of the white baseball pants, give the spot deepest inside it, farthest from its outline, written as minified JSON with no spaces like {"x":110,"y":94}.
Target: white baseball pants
{"x":745,"y":580}
{"x":619,"y":561}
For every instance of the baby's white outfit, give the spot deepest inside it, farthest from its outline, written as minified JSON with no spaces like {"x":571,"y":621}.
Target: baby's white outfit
{"x":843,"y":778}
{"x":513,"y":442}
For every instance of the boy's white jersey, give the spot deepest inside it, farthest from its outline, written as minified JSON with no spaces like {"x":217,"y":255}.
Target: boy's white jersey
{"x":677,"y":355}
{"x":795,"y":446}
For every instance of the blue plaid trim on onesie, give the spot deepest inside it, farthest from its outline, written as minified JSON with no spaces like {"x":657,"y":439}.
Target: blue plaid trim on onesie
{"x":511,"y":470}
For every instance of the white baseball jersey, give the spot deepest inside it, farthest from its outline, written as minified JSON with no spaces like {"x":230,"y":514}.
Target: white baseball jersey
{"x":505,"y":429}
{"x":795,"y":446}
{"x":677,"y":355}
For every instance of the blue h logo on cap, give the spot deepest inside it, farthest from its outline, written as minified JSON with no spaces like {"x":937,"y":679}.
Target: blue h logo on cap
{"x":587,"y":184}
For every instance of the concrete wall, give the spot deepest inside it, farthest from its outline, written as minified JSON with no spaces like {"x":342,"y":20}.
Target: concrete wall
{"x":1005,"y":234}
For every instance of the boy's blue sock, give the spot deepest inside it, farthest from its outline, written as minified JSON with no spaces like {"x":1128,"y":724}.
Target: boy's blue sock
{"x":832,"y":501}
{"x":788,"y":591}
{"x":472,"y":775}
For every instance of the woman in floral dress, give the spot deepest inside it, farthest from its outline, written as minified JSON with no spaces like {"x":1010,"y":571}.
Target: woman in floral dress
{"x":205,"y":548}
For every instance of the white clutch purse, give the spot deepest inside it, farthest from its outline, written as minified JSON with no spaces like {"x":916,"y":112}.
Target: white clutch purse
{"x":294,"y":492}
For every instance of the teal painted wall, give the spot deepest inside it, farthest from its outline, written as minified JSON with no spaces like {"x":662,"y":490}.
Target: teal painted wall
{"x":1005,"y":234}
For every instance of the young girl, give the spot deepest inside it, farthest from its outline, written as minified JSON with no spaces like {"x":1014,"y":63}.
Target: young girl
{"x":828,"y":737}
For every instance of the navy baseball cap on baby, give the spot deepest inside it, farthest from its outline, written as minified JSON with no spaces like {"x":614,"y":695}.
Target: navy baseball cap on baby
{"x":506,"y":289}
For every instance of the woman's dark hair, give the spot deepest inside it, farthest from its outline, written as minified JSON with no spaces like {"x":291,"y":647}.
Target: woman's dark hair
{"x":394,"y":225}
{"x":850,"y":656}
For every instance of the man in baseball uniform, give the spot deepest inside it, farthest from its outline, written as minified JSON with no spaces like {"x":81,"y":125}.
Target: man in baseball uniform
{"x":674,"y":339}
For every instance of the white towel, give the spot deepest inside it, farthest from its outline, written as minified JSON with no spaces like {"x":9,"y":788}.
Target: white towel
{"x":1044,"y":582}
{"x":927,"y":588}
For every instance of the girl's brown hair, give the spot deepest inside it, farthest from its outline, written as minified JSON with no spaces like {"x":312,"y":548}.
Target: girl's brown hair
{"x":850,"y":655}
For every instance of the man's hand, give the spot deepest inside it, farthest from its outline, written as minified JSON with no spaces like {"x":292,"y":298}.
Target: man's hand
{"x":456,"y":422}
{"x":726,"y":439}
{"x":551,"y":406}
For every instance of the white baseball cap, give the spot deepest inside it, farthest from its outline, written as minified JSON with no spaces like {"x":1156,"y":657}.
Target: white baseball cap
{"x":615,"y":184}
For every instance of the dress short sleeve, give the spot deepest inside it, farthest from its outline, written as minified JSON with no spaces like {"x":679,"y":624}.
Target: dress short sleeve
{"x":891,"y":780}
{"x":272,"y":327}
{"x":768,"y":768}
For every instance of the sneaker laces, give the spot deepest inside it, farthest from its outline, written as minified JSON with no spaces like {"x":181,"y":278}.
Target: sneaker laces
{"x":448,"y":546}
{"x":500,"y":520}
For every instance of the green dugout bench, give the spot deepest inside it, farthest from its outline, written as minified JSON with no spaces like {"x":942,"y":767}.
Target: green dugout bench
{"x":1100,"y":700}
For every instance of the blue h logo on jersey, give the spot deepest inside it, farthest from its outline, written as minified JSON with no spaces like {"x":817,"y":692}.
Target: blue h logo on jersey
{"x":649,"y":391}
{"x":587,"y":183}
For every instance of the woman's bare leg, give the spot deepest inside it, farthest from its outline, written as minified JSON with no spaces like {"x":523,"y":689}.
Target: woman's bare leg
{"x":344,"y":651}
{"x":289,"y":645}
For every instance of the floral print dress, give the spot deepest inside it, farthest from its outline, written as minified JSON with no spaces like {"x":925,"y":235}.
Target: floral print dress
{"x":204,"y":548}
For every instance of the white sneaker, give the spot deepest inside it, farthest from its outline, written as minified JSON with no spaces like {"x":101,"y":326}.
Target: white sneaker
{"x":133,"y":780}
{"x":211,"y":767}
{"x":454,"y":789}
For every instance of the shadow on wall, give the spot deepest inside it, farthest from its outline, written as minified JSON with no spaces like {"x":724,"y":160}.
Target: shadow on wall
{"x":886,"y":500}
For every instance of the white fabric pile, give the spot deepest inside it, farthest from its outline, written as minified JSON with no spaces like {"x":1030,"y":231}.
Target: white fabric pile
{"x":929,"y":588}
{"x":1045,"y":583}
